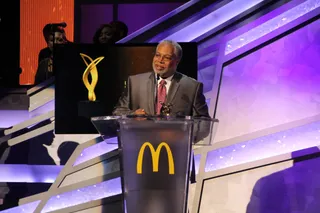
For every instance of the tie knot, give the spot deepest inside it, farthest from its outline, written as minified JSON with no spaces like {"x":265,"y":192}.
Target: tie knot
{"x":163,"y":82}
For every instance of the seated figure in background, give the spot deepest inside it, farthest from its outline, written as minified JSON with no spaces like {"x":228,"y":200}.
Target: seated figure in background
{"x":110,"y":33}
{"x":104,"y":35}
{"x":53,"y":34}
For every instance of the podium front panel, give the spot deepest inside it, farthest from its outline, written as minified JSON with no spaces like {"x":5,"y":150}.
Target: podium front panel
{"x":155,"y":164}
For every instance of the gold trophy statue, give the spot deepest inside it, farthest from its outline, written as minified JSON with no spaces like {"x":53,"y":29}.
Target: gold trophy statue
{"x":93,"y":71}
{"x":165,"y":109}
{"x":90,"y":107}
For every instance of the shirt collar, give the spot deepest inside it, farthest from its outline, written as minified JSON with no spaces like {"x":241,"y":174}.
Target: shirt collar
{"x":167,"y":79}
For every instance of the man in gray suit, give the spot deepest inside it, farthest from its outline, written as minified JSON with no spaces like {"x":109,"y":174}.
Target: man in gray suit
{"x":148,"y":91}
{"x":185,"y":95}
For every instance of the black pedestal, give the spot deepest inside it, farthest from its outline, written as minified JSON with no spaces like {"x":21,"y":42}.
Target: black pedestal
{"x":90,"y":109}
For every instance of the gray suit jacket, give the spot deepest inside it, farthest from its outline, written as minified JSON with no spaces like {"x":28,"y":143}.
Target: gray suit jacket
{"x":185,"y":95}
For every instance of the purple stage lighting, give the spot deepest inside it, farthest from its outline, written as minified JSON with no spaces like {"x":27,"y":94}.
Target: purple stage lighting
{"x":83,"y":195}
{"x":272,"y":25}
{"x":97,"y":150}
{"x":29,"y":173}
{"x":213,"y":20}
{"x":264,"y":147}
{"x":26,"y":208}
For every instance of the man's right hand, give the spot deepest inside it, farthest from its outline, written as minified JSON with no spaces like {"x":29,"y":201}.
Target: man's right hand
{"x":140,"y":112}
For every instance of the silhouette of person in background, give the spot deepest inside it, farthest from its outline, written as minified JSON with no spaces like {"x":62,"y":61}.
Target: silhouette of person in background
{"x":65,"y":151}
{"x":53,"y":34}
{"x":121,"y":29}
{"x":110,"y":33}
{"x":293,"y":190}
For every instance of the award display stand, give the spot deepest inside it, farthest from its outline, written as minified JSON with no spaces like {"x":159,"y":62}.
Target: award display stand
{"x":155,"y":157}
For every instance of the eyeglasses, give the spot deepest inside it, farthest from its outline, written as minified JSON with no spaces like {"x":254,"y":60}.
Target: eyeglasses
{"x":165,"y":58}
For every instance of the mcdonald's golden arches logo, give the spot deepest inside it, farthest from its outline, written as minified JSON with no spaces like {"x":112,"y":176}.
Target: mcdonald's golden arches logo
{"x":155,"y":154}
{"x":92,"y":70}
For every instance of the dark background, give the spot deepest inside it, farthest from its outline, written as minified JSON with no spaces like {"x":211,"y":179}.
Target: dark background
{"x":9,"y":42}
{"x":121,"y":60}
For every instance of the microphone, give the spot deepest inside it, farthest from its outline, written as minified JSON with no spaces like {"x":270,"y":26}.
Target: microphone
{"x":61,"y":24}
{"x":158,"y":77}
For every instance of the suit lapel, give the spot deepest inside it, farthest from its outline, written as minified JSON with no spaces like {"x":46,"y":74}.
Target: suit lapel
{"x":173,"y":88}
{"x":151,"y":94}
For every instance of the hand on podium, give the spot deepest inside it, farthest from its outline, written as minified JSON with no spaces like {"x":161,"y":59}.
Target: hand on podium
{"x":140,"y":112}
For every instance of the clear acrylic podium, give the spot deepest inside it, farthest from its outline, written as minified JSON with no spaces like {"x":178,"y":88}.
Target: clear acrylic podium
{"x":155,"y":156}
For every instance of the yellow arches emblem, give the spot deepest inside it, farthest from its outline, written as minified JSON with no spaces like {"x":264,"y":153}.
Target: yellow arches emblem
{"x":155,"y":154}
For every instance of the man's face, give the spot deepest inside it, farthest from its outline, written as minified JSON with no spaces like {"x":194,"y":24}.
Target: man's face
{"x":165,"y":62}
{"x":59,"y":39}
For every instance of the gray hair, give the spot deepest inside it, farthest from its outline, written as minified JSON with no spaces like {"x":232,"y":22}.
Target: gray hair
{"x":176,"y":46}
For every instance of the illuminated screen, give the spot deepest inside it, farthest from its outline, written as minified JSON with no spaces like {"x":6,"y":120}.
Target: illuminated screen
{"x":274,"y":85}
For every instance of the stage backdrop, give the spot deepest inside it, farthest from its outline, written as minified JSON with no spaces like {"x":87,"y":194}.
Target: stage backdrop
{"x":120,"y":61}
{"x":32,"y":21}
{"x":274,"y":85}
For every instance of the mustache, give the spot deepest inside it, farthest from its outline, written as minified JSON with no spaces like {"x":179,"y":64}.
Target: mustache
{"x":160,"y":65}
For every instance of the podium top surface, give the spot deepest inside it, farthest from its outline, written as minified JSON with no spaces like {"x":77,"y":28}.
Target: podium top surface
{"x":109,"y":126}
{"x":154,"y":118}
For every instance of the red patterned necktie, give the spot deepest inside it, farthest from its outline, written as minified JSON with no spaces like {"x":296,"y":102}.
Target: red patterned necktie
{"x":162,"y":92}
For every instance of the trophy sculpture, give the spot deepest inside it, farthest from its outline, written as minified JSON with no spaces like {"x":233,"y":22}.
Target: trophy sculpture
{"x":165,"y":109}
{"x":93,"y":71}
{"x":91,"y":107}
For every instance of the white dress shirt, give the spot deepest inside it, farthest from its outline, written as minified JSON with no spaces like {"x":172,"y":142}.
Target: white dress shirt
{"x":168,"y":82}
